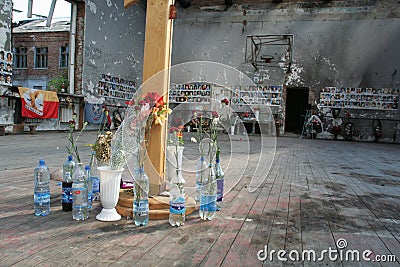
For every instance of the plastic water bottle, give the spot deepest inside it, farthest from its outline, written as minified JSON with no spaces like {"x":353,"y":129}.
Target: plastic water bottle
{"x":89,"y":186}
{"x":80,"y":196}
{"x":201,"y":175}
{"x":177,"y":205}
{"x":140,"y":199}
{"x":68,"y":170}
{"x":219,"y":176}
{"x":94,"y":174}
{"x":208,"y":198}
{"x":41,"y":191}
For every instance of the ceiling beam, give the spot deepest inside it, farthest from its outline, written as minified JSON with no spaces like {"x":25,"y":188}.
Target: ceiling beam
{"x":51,"y":12}
{"x":29,"y":15}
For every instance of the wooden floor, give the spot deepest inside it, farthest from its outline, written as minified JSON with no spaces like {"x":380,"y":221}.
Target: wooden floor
{"x":317,"y":195}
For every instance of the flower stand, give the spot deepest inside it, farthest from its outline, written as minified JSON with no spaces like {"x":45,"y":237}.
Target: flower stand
{"x":158,"y":205}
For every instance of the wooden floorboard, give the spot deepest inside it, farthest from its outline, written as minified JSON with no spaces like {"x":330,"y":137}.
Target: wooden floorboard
{"x":315,"y":193}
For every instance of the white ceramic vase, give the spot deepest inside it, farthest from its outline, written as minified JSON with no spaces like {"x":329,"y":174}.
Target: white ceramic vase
{"x":109,"y":193}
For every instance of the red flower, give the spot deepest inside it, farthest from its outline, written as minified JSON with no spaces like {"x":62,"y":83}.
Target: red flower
{"x":214,"y":114}
{"x":173,"y":129}
{"x":160,"y":102}
{"x":225,"y":101}
{"x":130,"y":103}
{"x":152,"y":98}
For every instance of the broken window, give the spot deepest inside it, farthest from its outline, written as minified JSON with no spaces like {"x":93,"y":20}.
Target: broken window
{"x":20,"y":57}
{"x":41,"y":57}
{"x":64,"y":56}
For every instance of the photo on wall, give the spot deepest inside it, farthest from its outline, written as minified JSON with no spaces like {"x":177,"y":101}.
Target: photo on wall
{"x":6,"y":66}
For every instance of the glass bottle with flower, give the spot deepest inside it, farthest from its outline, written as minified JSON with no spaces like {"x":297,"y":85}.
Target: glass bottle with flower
{"x":177,"y":192}
{"x":72,"y":146}
{"x":208,"y":197}
{"x":201,"y":169}
{"x":144,"y":112}
{"x":79,"y":179}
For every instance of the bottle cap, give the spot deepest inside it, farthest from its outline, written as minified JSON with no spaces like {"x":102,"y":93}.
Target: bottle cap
{"x":87,"y":168}
{"x":70,"y":157}
{"x":217,"y":160}
{"x":41,"y":162}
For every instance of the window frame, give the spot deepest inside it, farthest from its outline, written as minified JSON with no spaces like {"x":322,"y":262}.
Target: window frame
{"x":45,"y":58}
{"x":64,"y":56}
{"x":20,"y":57}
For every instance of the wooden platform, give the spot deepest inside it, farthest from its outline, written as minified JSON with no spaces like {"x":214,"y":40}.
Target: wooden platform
{"x":316,"y":193}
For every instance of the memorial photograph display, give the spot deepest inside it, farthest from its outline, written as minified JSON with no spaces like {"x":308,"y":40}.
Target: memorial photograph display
{"x":360,"y":98}
{"x":116,"y":87}
{"x":257,"y":95}
{"x":190,"y":92}
{"x":6,"y":65}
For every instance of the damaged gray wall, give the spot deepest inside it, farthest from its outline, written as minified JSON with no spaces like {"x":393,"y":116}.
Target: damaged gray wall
{"x":5,"y":24}
{"x":114,"y":42}
{"x":6,"y":105}
{"x":355,"y":46}
{"x":340,"y":43}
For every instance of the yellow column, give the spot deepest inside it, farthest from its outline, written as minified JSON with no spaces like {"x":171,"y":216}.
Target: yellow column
{"x":157,"y":58}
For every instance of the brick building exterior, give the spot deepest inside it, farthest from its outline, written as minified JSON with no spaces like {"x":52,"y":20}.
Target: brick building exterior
{"x":41,"y":53}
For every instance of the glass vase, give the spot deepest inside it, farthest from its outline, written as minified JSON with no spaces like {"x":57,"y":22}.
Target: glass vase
{"x":140,"y":199}
{"x":172,"y":165}
{"x":208,"y":196}
{"x":177,"y":202}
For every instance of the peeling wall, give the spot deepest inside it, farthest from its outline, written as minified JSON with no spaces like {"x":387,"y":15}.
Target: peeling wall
{"x":6,"y":106}
{"x":342,"y":44}
{"x":338,"y":46}
{"x":114,"y":42}
{"x":5,"y":24}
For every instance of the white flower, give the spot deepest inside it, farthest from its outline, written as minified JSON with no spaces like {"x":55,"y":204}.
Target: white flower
{"x":215,"y":121}
{"x":193,"y":140}
{"x":145,"y":107}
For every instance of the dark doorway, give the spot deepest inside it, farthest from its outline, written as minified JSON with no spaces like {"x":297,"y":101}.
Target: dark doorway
{"x":296,"y":106}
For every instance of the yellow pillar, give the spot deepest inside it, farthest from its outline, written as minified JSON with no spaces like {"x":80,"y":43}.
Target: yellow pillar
{"x":157,"y":58}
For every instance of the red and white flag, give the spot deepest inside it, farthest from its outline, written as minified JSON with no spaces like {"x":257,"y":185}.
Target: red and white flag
{"x":39,"y":103}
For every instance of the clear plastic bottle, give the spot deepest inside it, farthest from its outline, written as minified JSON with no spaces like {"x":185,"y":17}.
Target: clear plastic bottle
{"x":177,"y":205}
{"x":201,"y":176}
{"x":68,"y":170}
{"x":140,"y":200}
{"x":80,"y":196}
{"x":94,"y":174}
{"x":219,"y":176}
{"x":89,"y":186}
{"x":208,"y":197}
{"x":41,"y":190}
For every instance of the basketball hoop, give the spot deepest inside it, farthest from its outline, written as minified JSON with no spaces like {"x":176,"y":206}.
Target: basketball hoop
{"x":267,"y":58}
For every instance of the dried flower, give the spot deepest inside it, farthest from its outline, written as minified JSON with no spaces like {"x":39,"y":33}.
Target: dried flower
{"x":102,"y":147}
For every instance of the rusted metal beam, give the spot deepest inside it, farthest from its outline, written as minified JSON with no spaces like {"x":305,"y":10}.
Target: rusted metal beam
{"x":128,"y":3}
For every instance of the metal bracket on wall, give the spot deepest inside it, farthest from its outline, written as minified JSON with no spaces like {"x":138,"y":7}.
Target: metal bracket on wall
{"x":271,"y":50}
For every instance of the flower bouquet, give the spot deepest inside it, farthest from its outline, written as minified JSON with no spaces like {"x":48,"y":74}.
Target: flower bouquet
{"x":134,"y":133}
